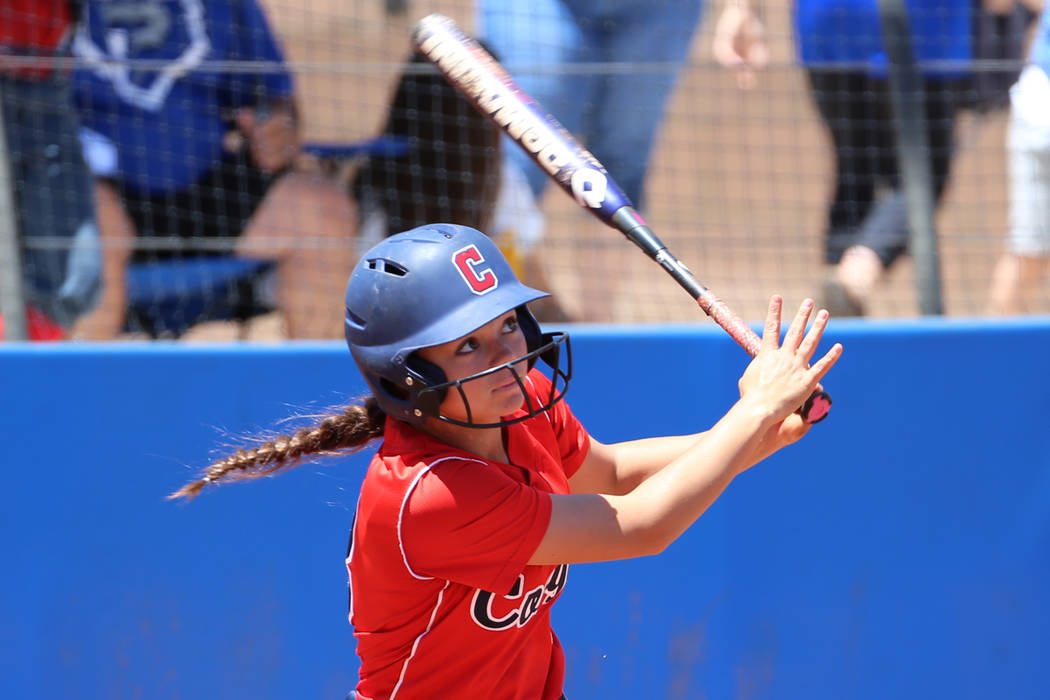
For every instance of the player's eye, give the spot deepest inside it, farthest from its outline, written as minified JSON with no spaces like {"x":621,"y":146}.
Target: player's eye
{"x":467,"y":346}
{"x":510,"y":324}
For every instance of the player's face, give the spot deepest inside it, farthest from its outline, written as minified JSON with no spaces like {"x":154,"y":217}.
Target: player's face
{"x":492,"y":396}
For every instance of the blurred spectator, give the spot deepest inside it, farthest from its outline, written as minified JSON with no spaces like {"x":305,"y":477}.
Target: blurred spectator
{"x":193,"y":135}
{"x":448,"y":170}
{"x":54,"y":211}
{"x":616,"y":116}
{"x":840,"y":44}
{"x":451,"y":170}
{"x":1001,"y":35}
{"x":1022,"y":266}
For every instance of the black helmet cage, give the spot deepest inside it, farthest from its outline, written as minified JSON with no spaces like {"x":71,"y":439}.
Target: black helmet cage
{"x":549,"y":352}
{"x":422,"y":387}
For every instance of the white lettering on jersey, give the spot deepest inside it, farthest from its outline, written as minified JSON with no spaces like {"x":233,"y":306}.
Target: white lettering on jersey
{"x":519,"y":614}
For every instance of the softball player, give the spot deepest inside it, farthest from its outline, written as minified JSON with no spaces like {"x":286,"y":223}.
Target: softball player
{"x":485,"y":486}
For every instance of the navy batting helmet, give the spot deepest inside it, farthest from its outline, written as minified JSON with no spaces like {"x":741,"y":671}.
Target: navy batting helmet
{"x":429,"y":286}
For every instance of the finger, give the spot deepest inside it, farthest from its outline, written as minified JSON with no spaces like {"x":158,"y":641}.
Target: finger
{"x":812,"y":339}
{"x":771,"y":332}
{"x":798,"y":325}
{"x":821,"y":366}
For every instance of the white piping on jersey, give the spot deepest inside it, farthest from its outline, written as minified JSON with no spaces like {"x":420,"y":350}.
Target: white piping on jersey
{"x":408,"y":567}
{"x":350,"y":556}
{"x":415,"y":644}
{"x":404,"y":502}
{"x":546,"y":414}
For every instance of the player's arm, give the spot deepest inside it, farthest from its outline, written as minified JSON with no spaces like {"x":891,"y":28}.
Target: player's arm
{"x":600,"y":527}
{"x":597,"y":527}
{"x":618,"y":468}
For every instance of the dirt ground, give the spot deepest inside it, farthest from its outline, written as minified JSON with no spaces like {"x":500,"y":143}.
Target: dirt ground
{"x":737,"y":185}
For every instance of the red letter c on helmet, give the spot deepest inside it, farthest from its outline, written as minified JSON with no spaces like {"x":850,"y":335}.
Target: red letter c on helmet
{"x":468,"y":261}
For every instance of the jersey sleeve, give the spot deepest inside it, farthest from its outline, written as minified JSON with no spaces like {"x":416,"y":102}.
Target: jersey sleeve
{"x":471,"y":523}
{"x":572,"y":438}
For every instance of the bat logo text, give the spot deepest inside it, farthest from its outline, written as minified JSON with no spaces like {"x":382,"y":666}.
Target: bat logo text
{"x":588,"y":187}
{"x":494,"y":92}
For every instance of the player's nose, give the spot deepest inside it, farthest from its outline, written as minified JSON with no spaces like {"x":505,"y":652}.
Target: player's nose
{"x":503,"y":351}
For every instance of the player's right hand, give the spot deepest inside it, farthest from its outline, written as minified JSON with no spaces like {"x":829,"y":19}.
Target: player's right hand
{"x":780,"y":378}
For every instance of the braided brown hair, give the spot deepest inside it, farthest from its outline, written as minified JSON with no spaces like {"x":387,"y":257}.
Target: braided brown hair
{"x":352,"y":429}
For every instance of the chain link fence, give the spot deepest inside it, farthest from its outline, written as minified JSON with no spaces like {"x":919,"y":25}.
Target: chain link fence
{"x":332,"y":137}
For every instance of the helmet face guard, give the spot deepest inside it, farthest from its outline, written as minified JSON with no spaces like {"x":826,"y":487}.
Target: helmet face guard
{"x":426,"y":287}
{"x":551,"y":354}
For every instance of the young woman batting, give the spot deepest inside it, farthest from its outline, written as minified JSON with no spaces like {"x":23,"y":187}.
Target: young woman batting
{"x":486,"y":486}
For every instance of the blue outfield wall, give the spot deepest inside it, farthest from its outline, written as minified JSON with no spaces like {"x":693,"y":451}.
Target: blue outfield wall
{"x":902,"y":550}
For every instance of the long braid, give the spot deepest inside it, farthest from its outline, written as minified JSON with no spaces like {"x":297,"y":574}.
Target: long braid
{"x":352,"y":429}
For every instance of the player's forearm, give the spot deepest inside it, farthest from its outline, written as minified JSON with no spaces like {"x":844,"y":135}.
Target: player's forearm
{"x":667,"y":503}
{"x":637,"y":460}
{"x":589,"y":525}
{"x":634,"y":461}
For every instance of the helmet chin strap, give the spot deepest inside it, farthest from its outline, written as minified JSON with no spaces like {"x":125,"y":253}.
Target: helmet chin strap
{"x":549,"y":352}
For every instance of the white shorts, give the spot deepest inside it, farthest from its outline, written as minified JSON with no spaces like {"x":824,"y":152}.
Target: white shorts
{"x":1028,"y":155}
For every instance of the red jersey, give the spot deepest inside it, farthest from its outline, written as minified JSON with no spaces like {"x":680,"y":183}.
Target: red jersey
{"x":442,"y":601}
{"x":37,"y":27}
{"x":34,"y":24}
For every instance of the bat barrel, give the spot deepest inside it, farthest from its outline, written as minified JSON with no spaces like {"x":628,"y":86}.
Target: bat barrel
{"x":492,"y":91}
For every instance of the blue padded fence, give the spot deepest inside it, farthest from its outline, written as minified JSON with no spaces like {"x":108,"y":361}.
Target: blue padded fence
{"x":902,"y":550}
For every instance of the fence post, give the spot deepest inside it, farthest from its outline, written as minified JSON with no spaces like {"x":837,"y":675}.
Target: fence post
{"x":12,"y":301}
{"x":913,"y":153}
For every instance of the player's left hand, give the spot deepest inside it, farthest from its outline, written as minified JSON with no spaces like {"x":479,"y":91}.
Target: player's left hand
{"x":273,"y":140}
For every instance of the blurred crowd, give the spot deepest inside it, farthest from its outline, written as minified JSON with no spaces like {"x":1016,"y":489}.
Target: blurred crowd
{"x":154,"y":173}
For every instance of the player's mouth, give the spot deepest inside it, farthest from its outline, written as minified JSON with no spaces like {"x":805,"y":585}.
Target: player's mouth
{"x":511,"y":384}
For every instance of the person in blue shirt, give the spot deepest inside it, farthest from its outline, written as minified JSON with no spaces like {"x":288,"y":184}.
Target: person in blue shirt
{"x":192,"y":129}
{"x":605,"y":69}
{"x":1023,"y":264}
{"x":616,"y":115}
{"x":839,"y":42}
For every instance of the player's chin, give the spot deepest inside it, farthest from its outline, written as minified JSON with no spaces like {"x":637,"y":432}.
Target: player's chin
{"x":507,"y":399}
